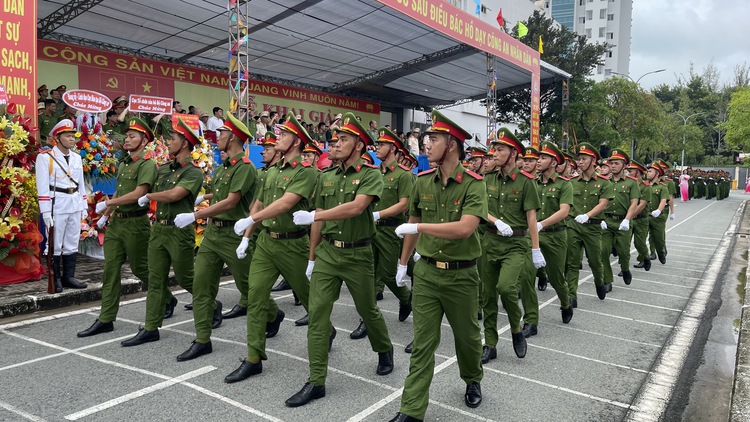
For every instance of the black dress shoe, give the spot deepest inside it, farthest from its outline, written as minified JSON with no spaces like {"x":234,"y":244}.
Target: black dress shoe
{"x":169,"y":310}
{"x":404,"y":310}
{"x":640,"y":264}
{"x":573,"y":303}
{"x":189,"y":306}
{"x":627,"y":277}
{"x":541,"y":284}
{"x":619,"y":274}
{"x":217,"y":317}
{"x":236,"y":311}
{"x":400,"y":417}
{"x":519,"y":344}
{"x":143,"y":336}
{"x":601,"y":292}
{"x":488,"y":353}
{"x":409,"y":347}
{"x":272,"y":328}
{"x":379,"y":296}
{"x":529,"y":330}
{"x":614,"y":252}
{"x":97,"y":328}
{"x":360,"y":332}
{"x":652,"y":256}
{"x":647,"y":264}
{"x":473,"y":396}
{"x":308,"y":393}
{"x":663,"y":259}
{"x":302,"y":321}
{"x":245,"y":371}
{"x":331,"y":338}
{"x":567,"y":314}
{"x":297,"y":302}
{"x":195,"y":350}
{"x":284,"y":285}
{"x":608,"y":286}
{"x":385,"y":362}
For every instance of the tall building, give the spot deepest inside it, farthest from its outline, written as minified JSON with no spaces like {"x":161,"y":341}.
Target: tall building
{"x":607,"y":21}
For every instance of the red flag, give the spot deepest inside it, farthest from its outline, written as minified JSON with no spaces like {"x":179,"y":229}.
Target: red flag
{"x":500,"y":20}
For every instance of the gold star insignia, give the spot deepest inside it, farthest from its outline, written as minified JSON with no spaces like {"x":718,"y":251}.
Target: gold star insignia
{"x":146,"y":87}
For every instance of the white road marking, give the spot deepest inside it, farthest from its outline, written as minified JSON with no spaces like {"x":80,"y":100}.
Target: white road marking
{"x":623,"y":317}
{"x":682,"y":286}
{"x":620,"y":287}
{"x":573,"y":355}
{"x":635,"y":303}
{"x":568,"y":327}
{"x":697,"y":237}
{"x":21,"y":413}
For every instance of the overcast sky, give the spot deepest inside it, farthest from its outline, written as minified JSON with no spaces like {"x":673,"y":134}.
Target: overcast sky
{"x":671,"y":34}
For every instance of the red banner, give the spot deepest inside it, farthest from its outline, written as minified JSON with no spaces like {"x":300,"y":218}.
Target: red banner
{"x":85,"y":100}
{"x":191,"y":120}
{"x":535,"y":109}
{"x":18,"y":55}
{"x":148,"y":104}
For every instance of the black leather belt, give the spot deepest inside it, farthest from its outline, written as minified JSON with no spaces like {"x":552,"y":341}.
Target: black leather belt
{"x":348,"y":245}
{"x":222,"y":223}
{"x":166,"y":222}
{"x":616,"y":217}
{"x":640,"y":216}
{"x":69,"y":191}
{"x":291,"y":235}
{"x":553,"y":229}
{"x":516,"y":232}
{"x":594,"y":221}
{"x":388,"y":222}
{"x":138,"y":213}
{"x":450,"y":265}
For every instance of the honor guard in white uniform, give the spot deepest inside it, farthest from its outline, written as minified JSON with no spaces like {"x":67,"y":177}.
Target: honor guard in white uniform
{"x":62,"y":202}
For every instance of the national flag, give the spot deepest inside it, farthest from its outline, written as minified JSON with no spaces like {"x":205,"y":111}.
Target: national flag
{"x":479,"y":6}
{"x":541,"y":45}
{"x":522,"y":29}
{"x":500,"y":20}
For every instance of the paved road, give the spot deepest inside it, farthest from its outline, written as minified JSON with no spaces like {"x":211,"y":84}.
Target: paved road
{"x":603,"y":366}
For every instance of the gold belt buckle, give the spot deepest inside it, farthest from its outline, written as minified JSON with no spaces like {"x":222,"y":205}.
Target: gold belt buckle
{"x":71,"y":191}
{"x":273,"y":235}
{"x":441,"y":265}
{"x":338,"y":243}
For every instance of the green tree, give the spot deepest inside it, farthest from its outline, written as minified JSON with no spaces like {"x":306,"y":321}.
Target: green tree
{"x":738,"y":124}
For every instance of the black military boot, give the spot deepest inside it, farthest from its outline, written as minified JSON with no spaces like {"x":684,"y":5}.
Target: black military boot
{"x":57,"y":274}
{"x":69,"y":270}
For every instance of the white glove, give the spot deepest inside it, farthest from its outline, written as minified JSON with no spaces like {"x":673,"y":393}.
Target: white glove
{"x":182,"y":220}
{"x":503,"y":229}
{"x":84,"y":214}
{"x":401,"y":275}
{"x":376,"y":215}
{"x":406,"y":228}
{"x":48,"y":221}
{"x":303,"y":218}
{"x":538,"y":258}
{"x":242,"y":249}
{"x":655,"y":213}
{"x":582,"y":219}
{"x":309,"y":270}
{"x":199,"y":199}
{"x":100,"y":207}
{"x":539,"y":226}
{"x":241,"y":225}
{"x":604,"y":225}
{"x":102,"y":222}
{"x":142,"y":201}
{"x":625,"y":225}
{"x":671,"y":216}
{"x":416,"y":256}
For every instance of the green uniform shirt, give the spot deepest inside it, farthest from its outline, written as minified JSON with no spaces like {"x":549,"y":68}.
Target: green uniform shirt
{"x":46,"y":123}
{"x":586,"y":194}
{"x":296,"y":177}
{"x":625,"y":190}
{"x":553,"y":193}
{"x":510,"y":196}
{"x":671,"y":187}
{"x":464,"y":194}
{"x":337,"y":186}
{"x":236,"y":174}
{"x":120,"y":128}
{"x":133,"y":172}
{"x":656,"y":193}
{"x":398,"y":183}
{"x":185,"y":174}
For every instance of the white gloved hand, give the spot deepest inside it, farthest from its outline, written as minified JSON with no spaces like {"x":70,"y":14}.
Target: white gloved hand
{"x":582,"y":219}
{"x":671,"y":216}
{"x":417,"y":256}
{"x":182,"y":220}
{"x":84,"y":214}
{"x":199,"y":199}
{"x":625,"y":225}
{"x":100,"y":207}
{"x":604,"y":225}
{"x":503,"y":229}
{"x":309,"y":270}
{"x":48,"y":221}
{"x":539,"y":226}
{"x":406,"y":228}
{"x":142,"y":201}
{"x":242,"y":224}
{"x":538,"y":258}
{"x":303,"y":218}
{"x":376,"y":215}
{"x":655,"y":213}
{"x":102,"y":222}
{"x":401,"y":276}
{"x":242,"y":249}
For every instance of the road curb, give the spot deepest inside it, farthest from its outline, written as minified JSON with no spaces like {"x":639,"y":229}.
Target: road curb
{"x":740,"y":401}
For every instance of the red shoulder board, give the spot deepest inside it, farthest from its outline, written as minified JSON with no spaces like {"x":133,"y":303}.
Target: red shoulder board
{"x":427,"y":172}
{"x":604,"y":177}
{"x":529,"y":175}
{"x":474,"y":175}
{"x":564,"y":178}
{"x":246,"y":160}
{"x":404,"y":167}
{"x":305,"y":164}
{"x":372,"y":166}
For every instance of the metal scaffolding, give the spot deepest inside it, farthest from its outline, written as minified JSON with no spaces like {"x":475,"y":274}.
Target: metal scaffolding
{"x":240,"y":102}
{"x":491,"y":100}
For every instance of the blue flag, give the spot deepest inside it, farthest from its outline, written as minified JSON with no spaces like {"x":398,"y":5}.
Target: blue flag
{"x":479,"y":6}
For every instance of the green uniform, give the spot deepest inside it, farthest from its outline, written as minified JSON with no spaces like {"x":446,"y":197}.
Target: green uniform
{"x":281,"y":249}
{"x":168,"y":244}
{"x":344,"y":255}
{"x":120,"y":127}
{"x":444,"y":291}
{"x":508,"y":258}
{"x":220,"y":242}
{"x":639,"y":225}
{"x":710,"y":188}
{"x":553,"y":239}
{"x":126,"y":233}
{"x":657,"y":226}
{"x":625,"y":191}
{"x":46,"y":123}
{"x":398,"y":183}
{"x":586,"y":196}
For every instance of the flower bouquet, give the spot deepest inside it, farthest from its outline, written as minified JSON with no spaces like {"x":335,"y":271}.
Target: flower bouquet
{"x":203,"y":155}
{"x":99,"y":162}
{"x":92,"y":237}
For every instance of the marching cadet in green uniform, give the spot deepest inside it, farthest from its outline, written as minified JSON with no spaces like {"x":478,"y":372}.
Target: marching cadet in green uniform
{"x":476,"y":158}
{"x":47,"y":120}
{"x":341,"y":251}
{"x":556,"y":195}
{"x":659,"y":195}
{"x":700,"y":185}
{"x":617,"y":217}
{"x":312,"y":153}
{"x":710,"y":186}
{"x":129,"y":229}
{"x":529,"y":299}
{"x":567,"y":168}
{"x":177,"y":186}
{"x":672,"y":191}
{"x":282,"y":247}
{"x":591,"y":194}
{"x":233,"y":190}
{"x":640,"y":219}
{"x":512,"y":202}
{"x":447,"y":205}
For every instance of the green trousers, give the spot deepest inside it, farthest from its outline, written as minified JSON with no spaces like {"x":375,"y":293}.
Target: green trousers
{"x":219,"y":246}
{"x":657,"y":233}
{"x":580,"y":237}
{"x":554,"y":247}
{"x":333,"y":266}
{"x":620,"y":240}
{"x":124,"y":240}
{"x":271,"y":258}
{"x":529,"y":299}
{"x":168,"y":246}
{"x":639,"y":231}
{"x":436,"y":293}
{"x":386,"y":250}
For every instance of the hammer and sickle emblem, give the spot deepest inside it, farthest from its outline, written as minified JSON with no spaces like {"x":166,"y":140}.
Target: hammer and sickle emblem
{"x":112,"y":83}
